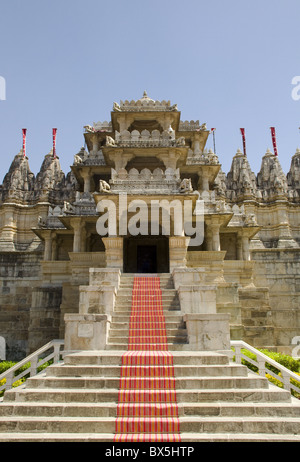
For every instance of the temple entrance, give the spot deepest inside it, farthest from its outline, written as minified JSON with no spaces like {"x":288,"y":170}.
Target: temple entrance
{"x":146,"y":259}
{"x":146,"y":254}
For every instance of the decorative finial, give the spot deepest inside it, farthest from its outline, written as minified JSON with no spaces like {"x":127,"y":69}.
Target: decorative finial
{"x":145,"y":94}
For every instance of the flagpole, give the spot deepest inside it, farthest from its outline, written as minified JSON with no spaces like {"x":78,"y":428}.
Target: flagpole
{"x":273,"y":134}
{"x":24,"y":130}
{"x":242,"y":130}
{"x":54,"y":130}
{"x":214,"y":141}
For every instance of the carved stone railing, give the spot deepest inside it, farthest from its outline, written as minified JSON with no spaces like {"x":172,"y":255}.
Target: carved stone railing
{"x":261,"y":363}
{"x":36,"y":360}
{"x":191,"y":125}
{"x":145,"y":139}
{"x":144,"y":104}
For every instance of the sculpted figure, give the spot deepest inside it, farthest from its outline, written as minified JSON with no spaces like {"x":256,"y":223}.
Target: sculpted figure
{"x":186,"y":185}
{"x":180,"y":141}
{"x":104,"y":186}
{"x":77,"y":159}
{"x":250,"y":220}
{"x":68,"y":208}
{"x":41,"y":222}
{"x":89,"y":128}
{"x":116,"y":107}
{"x":110,"y":141}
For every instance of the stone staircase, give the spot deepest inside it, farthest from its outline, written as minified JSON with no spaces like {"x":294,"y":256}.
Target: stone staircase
{"x":176,"y":331}
{"x":217,"y":400}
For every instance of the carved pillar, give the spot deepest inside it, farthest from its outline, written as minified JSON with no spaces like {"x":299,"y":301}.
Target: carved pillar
{"x":95,"y":144}
{"x":87,"y":180}
{"x":196,"y":146}
{"x":246,"y":248}
{"x":170,"y":159}
{"x":48,"y":246}
{"x":239,"y":248}
{"x":120,"y":159}
{"x":177,"y":250}
{"x":205,"y":182}
{"x":114,"y":252}
{"x":77,"y":225}
{"x":208,"y":240}
{"x":54,"y":247}
{"x":215,"y":229}
{"x":8,"y":231}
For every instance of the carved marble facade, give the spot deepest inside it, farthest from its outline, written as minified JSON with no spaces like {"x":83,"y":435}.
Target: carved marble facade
{"x":252,"y":225}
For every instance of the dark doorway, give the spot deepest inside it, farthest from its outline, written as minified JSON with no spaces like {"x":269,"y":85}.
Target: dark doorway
{"x":146,"y":254}
{"x":146,"y":259}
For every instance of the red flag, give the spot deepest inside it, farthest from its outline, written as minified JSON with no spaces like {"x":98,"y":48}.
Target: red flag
{"x":24,"y":130}
{"x":54,"y":130}
{"x":244,"y":140}
{"x":274,"y":140}
{"x":212,"y":130}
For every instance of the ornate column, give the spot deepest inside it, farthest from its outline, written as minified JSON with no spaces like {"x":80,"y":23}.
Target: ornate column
{"x":87,"y":180}
{"x":215,"y":229}
{"x":77,"y":225}
{"x":246,"y":248}
{"x":48,"y":245}
{"x":177,"y":251}
{"x":8,"y":230}
{"x":239,"y":248}
{"x":114,"y":252}
{"x":95,"y":144}
{"x":54,"y":247}
{"x":196,"y":144}
{"x":120,"y":159}
{"x":205,"y":182}
{"x":170,"y":159}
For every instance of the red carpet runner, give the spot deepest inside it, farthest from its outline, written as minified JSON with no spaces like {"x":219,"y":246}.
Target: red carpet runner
{"x":147,"y":408}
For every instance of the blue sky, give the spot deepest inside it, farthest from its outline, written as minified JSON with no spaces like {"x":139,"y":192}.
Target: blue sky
{"x":227,"y":63}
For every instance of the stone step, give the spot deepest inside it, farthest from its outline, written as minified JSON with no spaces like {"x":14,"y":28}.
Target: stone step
{"x":116,"y":325}
{"x":289,"y":425}
{"x":115,"y":371}
{"x":44,"y":409}
{"x":115,"y":333}
{"x":170,"y":316}
{"x":167,"y":308}
{"x":57,"y":424}
{"x":127,"y":297}
{"x":140,"y":340}
{"x":181,"y":383}
{"x":171,"y":346}
{"x":108,"y":409}
{"x":166,"y":301}
{"x":187,"y":396}
{"x":184,"y":437}
{"x":103,"y":357}
{"x":240,"y":409}
{"x":250,"y":425}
